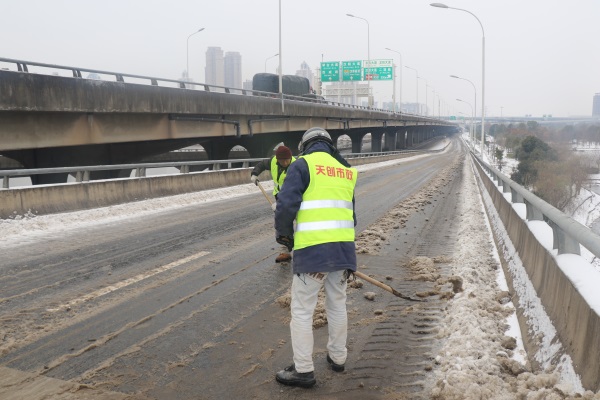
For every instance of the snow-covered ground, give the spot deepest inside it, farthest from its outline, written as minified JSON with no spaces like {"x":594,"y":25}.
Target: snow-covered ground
{"x":472,"y":363}
{"x":585,"y":208}
{"x":461,"y":368}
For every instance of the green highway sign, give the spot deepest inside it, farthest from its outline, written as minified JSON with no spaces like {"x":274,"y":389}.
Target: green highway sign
{"x":379,"y":74}
{"x":330,"y":71}
{"x":378,"y":70}
{"x":365,"y":70}
{"x":351,"y":70}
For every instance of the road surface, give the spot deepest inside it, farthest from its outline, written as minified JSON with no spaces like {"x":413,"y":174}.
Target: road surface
{"x":189,"y":303}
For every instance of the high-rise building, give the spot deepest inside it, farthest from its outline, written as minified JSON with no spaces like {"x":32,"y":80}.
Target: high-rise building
{"x":345,"y":92}
{"x":596,"y":106}
{"x":247,"y":84}
{"x":306,"y":72}
{"x":233,"y":69}
{"x":214,"y":71}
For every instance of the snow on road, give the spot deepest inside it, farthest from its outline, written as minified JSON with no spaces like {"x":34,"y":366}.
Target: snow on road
{"x":478,"y":360}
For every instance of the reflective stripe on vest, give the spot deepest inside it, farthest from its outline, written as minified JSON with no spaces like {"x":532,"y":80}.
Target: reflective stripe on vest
{"x":326,"y":211}
{"x":314,"y":226}
{"x":310,"y":204}
{"x":274,"y":169}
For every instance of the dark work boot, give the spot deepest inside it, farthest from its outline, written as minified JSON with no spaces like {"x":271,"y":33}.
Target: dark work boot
{"x":283,"y":257}
{"x":334,"y":366}
{"x":289,"y":376}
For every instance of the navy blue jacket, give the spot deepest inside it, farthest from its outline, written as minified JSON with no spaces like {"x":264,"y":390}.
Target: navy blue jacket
{"x":326,"y":257}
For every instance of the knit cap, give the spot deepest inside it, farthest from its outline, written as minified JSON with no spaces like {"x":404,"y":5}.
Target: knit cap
{"x":283,"y":153}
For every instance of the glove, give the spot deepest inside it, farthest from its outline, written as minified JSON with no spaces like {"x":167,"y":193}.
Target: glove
{"x":274,"y":206}
{"x":254,"y":179}
{"x":286,"y":241}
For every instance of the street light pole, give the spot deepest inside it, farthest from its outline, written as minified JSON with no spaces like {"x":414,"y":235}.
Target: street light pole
{"x":472,"y":113}
{"x":280,"y":63}
{"x":441,"y":5}
{"x":417,"y":80}
{"x":268,"y":58}
{"x":475,"y":104}
{"x":426,"y":97}
{"x":400,"y":100}
{"x":368,"y":57}
{"x":187,"y":66}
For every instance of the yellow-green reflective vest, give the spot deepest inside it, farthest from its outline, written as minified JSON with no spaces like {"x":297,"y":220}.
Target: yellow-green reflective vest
{"x":326,"y":212}
{"x":278,"y":180}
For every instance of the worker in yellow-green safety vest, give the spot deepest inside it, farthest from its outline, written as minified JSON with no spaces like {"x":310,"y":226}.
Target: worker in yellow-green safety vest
{"x":319,"y":194}
{"x":278,"y":166}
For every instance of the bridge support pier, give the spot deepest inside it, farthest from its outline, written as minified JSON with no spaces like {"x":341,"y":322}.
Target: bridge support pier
{"x":356,"y":144}
{"x":410,"y":137}
{"x":401,"y":139}
{"x":390,"y":140}
{"x":376,"y":137}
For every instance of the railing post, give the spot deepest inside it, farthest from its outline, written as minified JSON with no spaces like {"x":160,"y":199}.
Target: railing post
{"x":86,"y":176}
{"x":140,"y":172}
{"x":563,"y":242}
{"x":185,"y":169}
{"x":533,"y":214}
{"x":216,"y":167}
{"x":5,"y":181}
{"x":516,"y":196}
{"x":78,"y":176}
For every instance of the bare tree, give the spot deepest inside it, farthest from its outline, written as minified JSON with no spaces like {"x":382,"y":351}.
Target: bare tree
{"x":552,"y":184}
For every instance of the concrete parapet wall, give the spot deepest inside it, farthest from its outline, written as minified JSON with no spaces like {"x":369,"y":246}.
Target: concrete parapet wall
{"x":81,"y":196}
{"x":576,"y":323}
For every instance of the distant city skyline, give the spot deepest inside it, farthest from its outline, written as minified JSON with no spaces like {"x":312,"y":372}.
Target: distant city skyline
{"x":233,"y":69}
{"x":214,"y":71}
{"x":540,"y":56}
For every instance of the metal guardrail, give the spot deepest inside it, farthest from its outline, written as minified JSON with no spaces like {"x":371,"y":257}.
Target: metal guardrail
{"x":568,"y":234}
{"x":23,"y":66}
{"x":82,"y":173}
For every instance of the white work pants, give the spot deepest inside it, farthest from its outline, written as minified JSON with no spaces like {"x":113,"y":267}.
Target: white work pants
{"x":305,"y":290}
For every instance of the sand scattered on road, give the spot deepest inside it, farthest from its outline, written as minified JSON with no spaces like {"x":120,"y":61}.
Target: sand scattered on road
{"x":370,"y":240}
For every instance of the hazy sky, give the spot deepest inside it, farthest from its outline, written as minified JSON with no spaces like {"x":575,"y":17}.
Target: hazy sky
{"x":542,"y":57}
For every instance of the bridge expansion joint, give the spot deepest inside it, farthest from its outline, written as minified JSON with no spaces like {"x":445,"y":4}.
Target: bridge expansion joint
{"x":263,"y":119}
{"x":191,"y":117}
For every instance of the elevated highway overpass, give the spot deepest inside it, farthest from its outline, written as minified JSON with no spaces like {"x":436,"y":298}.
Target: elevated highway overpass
{"x":55,"y":121}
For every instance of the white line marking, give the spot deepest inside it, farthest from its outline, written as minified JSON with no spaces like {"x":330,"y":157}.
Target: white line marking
{"x":127,"y":282}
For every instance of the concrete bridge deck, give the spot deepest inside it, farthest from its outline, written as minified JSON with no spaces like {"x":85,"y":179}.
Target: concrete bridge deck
{"x":54,"y":121}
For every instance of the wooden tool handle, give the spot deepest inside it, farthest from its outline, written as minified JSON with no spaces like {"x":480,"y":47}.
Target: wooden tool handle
{"x":384,"y":286}
{"x":265,"y":193}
